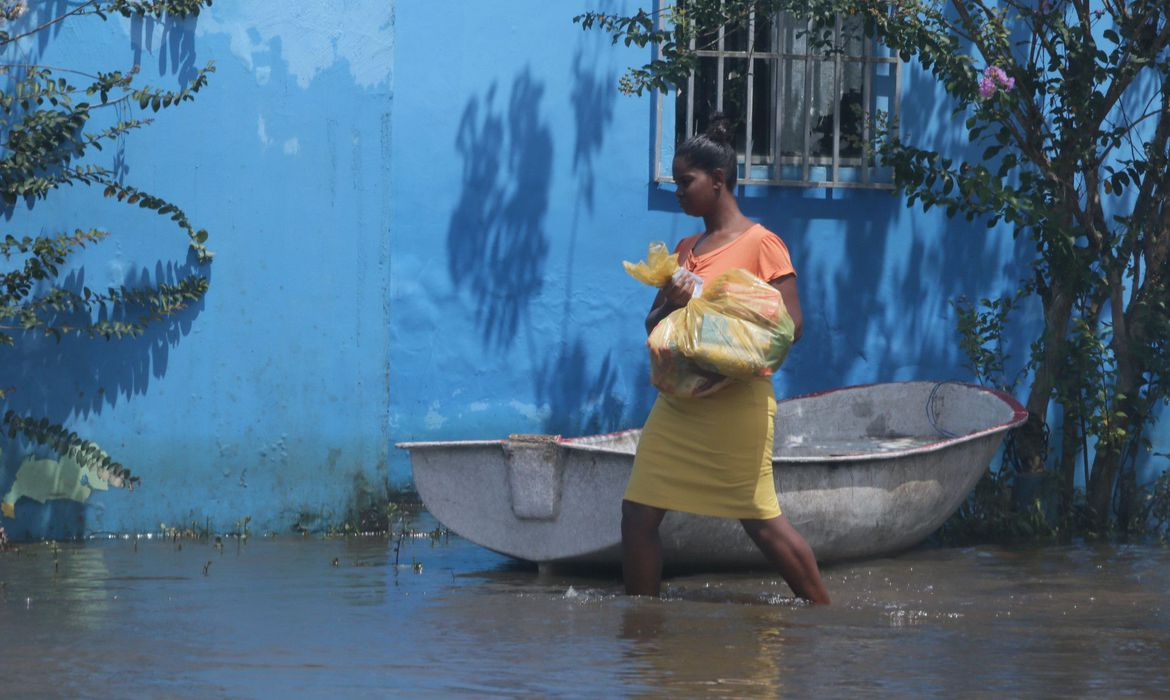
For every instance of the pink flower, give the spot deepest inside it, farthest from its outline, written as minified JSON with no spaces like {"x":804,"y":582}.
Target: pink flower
{"x":994,"y":78}
{"x":986,"y":88}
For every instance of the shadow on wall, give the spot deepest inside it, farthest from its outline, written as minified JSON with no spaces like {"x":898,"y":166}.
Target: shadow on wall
{"x":838,"y":292}
{"x":580,"y":401}
{"x":496,"y":244}
{"x":43,"y":13}
{"x":592,"y":99}
{"x":176,"y":46}
{"x":79,"y":377}
{"x":583,"y":400}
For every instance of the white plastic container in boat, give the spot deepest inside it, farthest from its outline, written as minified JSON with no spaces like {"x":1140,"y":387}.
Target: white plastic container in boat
{"x":860,"y":471}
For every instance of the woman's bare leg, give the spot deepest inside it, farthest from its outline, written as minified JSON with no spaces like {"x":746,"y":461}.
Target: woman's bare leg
{"x":790,"y":554}
{"x":641,"y":548}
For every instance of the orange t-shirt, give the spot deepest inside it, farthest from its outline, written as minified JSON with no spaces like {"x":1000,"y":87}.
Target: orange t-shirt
{"x":757,"y":250}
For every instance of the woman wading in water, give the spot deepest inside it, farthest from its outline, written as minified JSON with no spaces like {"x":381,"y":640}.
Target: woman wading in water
{"x":713,"y":455}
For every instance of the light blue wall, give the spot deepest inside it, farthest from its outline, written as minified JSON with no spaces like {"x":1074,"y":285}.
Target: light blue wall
{"x":419,"y":213}
{"x":269,"y":398}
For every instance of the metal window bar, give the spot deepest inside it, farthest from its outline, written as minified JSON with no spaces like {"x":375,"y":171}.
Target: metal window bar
{"x":866,"y":95}
{"x":778,"y":58}
{"x":838,"y":94}
{"x":774,"y":109}
{"x":656,"y":171}
{"x":895,"y":108}
{"x":807,"y":97}
{"x":690,"y":130}
{"x":751,"y":84}
{"x":721,"y":53}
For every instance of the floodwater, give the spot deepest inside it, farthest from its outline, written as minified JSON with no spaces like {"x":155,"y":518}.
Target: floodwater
{"x":310,"y":617}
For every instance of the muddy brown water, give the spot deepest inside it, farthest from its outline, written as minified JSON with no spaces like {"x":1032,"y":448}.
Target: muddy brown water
{"x":311,"y":617}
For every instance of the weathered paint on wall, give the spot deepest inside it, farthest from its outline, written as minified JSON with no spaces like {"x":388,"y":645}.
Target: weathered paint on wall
{"x":43,"y":480}
{"x":270,"y":398}
{"x":419,"y":213}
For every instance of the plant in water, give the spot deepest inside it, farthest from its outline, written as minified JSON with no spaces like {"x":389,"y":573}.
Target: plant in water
{"x":242,"y":531}
{"x":1066,"y":104}
{"x":982,"y":329}
{"x":1155,"y":512}
{"x":52,"y":119}
{"x":994,"y":512}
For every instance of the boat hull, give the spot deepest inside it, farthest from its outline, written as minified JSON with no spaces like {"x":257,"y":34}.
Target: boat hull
{"x":860,"y":472}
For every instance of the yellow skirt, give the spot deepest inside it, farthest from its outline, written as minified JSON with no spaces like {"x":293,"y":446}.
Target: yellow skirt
{"x":710,"y":456}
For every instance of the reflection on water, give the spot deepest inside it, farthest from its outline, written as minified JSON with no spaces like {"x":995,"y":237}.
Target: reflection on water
{"x":296,"y":617}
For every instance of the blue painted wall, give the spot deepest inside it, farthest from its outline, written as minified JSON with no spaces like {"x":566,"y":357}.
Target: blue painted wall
{"x":522,"y":179}
{"x":419,"y":214}
{"x":268,"y":399}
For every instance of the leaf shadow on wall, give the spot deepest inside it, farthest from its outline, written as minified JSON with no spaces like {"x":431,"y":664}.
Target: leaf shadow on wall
{"x":496,"y":244}
{"x":79,"y":377}
{"x":43,"y":14}
{"x":580,"y":402}
{"x":593,"y":98}
{"x":176,"y":45}
{"x":583,"y":394}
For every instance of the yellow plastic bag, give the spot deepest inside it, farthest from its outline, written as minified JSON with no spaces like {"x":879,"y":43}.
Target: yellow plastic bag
{"x":671,"y":372}
{"x":658,"y":267}
{"x":739,"y":327}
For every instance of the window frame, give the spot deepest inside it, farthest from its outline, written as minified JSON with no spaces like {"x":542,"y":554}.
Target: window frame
{"x":772,"y":164}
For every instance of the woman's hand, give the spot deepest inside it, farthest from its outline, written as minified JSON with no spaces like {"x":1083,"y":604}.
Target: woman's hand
{"x":680,"y":289}
{"x":675,"y":295}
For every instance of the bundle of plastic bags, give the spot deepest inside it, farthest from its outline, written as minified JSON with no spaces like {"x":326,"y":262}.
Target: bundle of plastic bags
{"x":737,"y":328}
{"x":671,"y":372}
{"x":658,"y":267}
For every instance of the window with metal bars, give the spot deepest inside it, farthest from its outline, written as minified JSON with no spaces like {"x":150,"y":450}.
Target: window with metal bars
{"x":805,"y":104}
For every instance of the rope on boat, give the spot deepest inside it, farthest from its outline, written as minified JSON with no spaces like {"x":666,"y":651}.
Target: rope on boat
{"x":932,"y":412}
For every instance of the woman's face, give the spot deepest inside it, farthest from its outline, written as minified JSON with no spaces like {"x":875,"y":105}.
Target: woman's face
{"x":697,"y":190}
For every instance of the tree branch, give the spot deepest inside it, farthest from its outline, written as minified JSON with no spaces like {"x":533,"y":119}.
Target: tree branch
{"x":80,"y":9}
{"x":34,"y":66}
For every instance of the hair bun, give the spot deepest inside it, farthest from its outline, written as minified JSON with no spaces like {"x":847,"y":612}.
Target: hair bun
{"x":719,"y":129}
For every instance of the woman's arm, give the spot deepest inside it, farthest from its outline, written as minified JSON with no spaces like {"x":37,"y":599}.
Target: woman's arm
{"x":672,"y":297}
{"x":787,"y":288}
{"x":659,"y":310}
{"x":675,"y":294}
